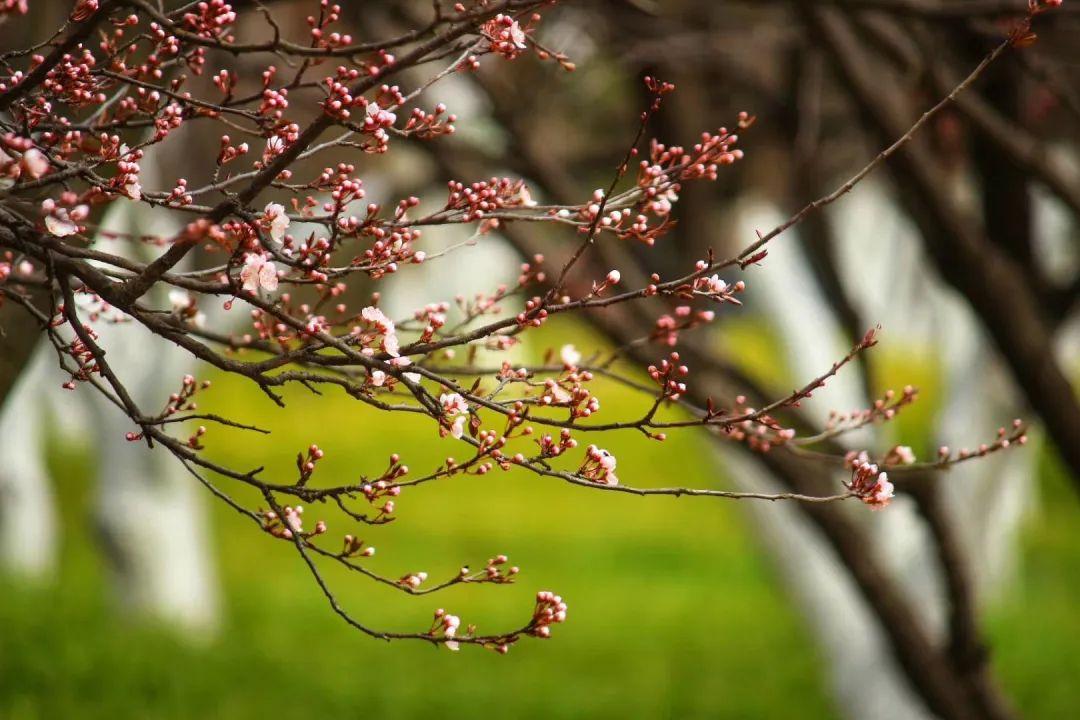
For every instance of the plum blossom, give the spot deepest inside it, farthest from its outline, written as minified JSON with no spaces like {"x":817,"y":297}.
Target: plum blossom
{"x":899,"y":455}
{"x":133,"y":188}
{"x":715,"y":285}
{"x":457,"y":429}
{"x":881,"y":493}
{"x":453,"y":404}
{"x":599,"y":466}
{"x":517,"y":35}
{"x":275,"y":145}
{"x":179,"y":299}
{"x":35,"y":163}
{"x":61,"y":221}
{"x":258,"y":272}
{"x":868,"y":482}
{"x":662,"y":204}
{"x":456,"y":409}
{"x":377,"y":117}
{"x":274,"y":214}
{"x":385,"y":326}
{"x":450,"y":627}
{"x":293,"y":519}
{"x":413,"y":580}
{"x":524,"y":197}
{"x":550,"y":609}
{"x":569,"y":355}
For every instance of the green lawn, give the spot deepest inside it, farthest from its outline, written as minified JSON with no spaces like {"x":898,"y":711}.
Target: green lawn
{"x":674,"y":611}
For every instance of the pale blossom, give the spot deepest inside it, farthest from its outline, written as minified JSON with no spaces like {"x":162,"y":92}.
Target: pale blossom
{"x":413,"y":580}
{"x":35,"y":163}
{"x":600,"y":466}
{"x":569,"y":355}
{"x":881,"y":493}
{"x":259,"y":272}
{"x":61,"y":221}
{"x":378,"y":116}
{"x":524,"y":197}
{"x":715,"y":285}
{"x":377,"y":317}
{"x":453,"y":404}
{"x":517,"y":35}
{"x":60,"y":224}
{"x":179,"y":299}
{"x":450,"y":624}
{"x":662,"y":204}
{"x":457,"y":430}
{"x":279,"y":221}
{"x":293,"y":521}
{"x":904,"y":454}
{"x":390,"y":343}
{"x":378,"y":377}
{"x":274,"y":145}
{"x":133,"y":189}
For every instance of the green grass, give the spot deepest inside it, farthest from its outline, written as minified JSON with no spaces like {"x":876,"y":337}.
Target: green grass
{"x":674,"y":611}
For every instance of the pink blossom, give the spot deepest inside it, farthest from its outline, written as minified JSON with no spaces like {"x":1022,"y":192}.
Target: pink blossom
{"x":599,"y":466}
{"x":457,"y":430}
{"x":453,"y":404}
{"x":569,"y":355}
{"x":385,"y":326}
{"x":259,"y":272}
{"x":413,"y":580}
{"x":524,"y":197}
{"x":179,"y":299}
{"x":274,"y":214}
{"x":61,"y":221}
{"x":715,"y":285}
{"x":881,"y":493}
{"x":517,"y":35}
{"x":35,"y":163}
{"x":132,"y":188}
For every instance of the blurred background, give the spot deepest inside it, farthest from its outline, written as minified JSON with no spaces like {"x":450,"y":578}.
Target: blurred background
{"x":128,"y":591}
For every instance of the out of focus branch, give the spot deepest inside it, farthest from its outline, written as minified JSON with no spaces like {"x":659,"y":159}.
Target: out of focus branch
{"x":993,"y":284}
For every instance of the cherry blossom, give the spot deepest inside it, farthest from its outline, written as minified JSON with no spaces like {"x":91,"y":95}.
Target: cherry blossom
{"x":274,"y":215}
{"x":62,"y":221}
{"x":900,"y":455}
{"x":384,"y":326}
{"x":291,"y":118}
{"x":258,"y":272}
{"x":599,"y":466}
{"x":569,"y":355}
{"x":517,"y":35}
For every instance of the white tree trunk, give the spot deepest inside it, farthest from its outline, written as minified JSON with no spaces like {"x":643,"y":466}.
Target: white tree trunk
{"x":28,"y":537}
{"x":882,"y":263}
{"x":149,"y":510}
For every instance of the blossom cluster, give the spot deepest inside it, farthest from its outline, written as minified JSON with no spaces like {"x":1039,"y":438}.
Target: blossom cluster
{"x":293,"y":249}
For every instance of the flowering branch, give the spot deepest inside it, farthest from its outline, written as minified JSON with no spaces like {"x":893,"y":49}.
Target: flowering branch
{"x":81,"y":123}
